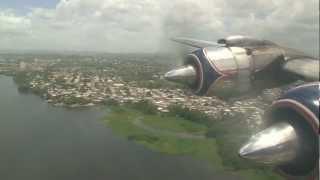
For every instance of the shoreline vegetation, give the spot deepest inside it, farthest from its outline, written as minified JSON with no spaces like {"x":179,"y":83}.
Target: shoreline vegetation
{"x":180,"y":131}
{"x":186,"y":132}
{"x":146,"y":109}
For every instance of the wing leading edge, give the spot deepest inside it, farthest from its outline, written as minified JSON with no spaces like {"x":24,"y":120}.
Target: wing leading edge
{"x":194,"y":42}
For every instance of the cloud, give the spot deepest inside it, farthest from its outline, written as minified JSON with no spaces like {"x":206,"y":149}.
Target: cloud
{"x":12,"y":25}
{"x":145,"y":25}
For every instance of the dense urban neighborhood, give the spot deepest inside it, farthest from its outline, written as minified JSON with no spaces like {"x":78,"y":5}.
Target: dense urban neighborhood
{"x":77,"y":81}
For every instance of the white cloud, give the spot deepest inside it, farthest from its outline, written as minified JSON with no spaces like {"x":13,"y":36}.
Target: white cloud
{"x":144,"y":25}
{"x":11,"y":25}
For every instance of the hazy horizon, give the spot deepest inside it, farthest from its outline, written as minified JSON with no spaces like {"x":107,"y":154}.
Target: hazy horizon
{"x":145,"y":26}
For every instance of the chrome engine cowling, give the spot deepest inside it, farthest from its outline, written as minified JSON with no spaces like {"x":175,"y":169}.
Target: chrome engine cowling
{"x":235,"y":68}
{"x":223,"y":71}
{"x":293,"y":132}
{"x":220,"y":70}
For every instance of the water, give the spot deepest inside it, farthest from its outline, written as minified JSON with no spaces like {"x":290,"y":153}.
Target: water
{"x":42,"y":142}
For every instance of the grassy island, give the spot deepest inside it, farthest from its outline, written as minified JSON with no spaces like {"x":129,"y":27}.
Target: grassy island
{"x":185,"y":132}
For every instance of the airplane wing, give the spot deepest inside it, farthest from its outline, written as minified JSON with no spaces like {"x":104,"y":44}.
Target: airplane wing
{"x":194,"y":42}
{"x":306,"y":67}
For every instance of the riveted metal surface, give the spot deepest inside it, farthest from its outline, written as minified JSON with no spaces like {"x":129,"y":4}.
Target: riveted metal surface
{"x":264,"y":56}
{"x":222,"y":59}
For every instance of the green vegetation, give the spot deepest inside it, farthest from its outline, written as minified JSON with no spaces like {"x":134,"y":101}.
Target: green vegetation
{"x":184,"y":132}
{"x":75,"y":100}
{"x":190,"y":115}
{"x":144,"y":106}
{"x":22,"y":80}
{"x":174,"y":124}
{"x":122,"y":121}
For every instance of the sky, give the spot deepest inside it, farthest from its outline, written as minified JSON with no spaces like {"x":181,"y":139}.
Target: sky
{"x":146,"y":25}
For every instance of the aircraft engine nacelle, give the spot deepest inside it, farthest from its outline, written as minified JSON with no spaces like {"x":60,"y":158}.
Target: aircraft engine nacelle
{"x":222,"y":71}
{"x":291,"y":141}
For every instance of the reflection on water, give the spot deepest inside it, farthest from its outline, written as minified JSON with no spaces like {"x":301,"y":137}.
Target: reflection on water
{"x":41,"y":142}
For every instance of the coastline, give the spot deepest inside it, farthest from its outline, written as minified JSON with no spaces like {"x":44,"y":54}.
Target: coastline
{"x":218,"y":143}
{"x":170,"y":134}
{"x":175,"y":135}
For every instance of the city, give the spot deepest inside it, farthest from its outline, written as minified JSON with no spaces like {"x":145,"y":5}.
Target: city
{"x":140,"y":105}
{"x":159,"y":90}
{"x":91,"y":81}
